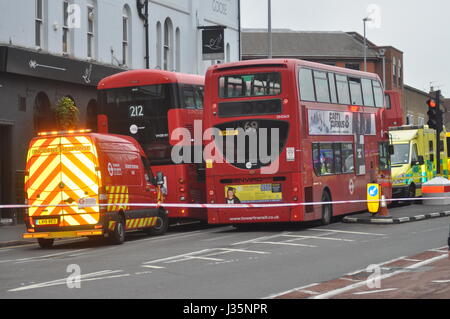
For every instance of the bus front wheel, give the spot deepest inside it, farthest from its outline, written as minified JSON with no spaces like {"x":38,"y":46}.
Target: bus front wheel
{"x":327,"y":209}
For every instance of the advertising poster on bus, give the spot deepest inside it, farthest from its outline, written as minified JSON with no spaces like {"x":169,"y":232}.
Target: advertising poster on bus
{"x":340,"y":123}
{"x":256,"y":193}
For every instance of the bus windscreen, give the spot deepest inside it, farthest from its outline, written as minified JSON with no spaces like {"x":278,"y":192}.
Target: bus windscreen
{"x":250,"y":85}
{"x":141,"y":112}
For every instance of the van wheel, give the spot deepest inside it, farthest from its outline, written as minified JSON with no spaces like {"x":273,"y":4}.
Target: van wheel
{"x":46,"y":243}
{"x":117,"y":237}
{"x":161,"y":226}
{"x":327,"y":210}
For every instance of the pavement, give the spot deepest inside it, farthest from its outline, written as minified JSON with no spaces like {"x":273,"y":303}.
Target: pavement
{"x":12,"y":236}
{"x":400,"y":214}
{"x":421,"y":276}
{"x":199,"y":262}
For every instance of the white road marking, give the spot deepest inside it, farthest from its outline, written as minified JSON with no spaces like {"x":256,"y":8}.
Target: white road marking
{"x":37,"y":258}
{"x":347,"y":232}
{"x":284,"y":243}
{"x":205,"y":258}
{"x":309,"y":292}
{"x":374,"y":291}
{"x":339,"y":291}
{"x":176,"y":257}
{"x":245,"y":251}
{"x":153,"y":267}
{"x":318,"y":237}
{"x":290,"y":291}
{"x":63,"y":281}
{"x":441,"y":281}
{"x":414,"y":260}
{"x":439,"y":250}
{"x":258,"y":239}
{"x":218,"y":238}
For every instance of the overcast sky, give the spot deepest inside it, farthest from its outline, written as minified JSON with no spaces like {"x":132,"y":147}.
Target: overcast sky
{"x":421,"y":29}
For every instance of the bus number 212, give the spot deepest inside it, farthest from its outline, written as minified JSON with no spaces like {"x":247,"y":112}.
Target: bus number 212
{"x":136,"y":111}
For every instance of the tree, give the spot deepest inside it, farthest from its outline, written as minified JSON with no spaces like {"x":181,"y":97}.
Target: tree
{"x":66,"y":114}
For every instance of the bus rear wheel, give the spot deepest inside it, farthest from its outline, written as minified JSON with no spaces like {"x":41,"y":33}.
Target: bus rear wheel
{"x":327,"y":210}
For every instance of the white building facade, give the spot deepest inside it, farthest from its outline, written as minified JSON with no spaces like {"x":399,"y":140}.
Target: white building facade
{"x":111,"y":32}
{"x":51,"y":49}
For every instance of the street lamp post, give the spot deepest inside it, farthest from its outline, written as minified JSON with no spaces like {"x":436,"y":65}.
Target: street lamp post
{"x":365,"y":20}
{"x":269,"y":39}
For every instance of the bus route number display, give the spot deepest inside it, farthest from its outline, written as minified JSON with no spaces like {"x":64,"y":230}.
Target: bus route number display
{"x":136,"y":111}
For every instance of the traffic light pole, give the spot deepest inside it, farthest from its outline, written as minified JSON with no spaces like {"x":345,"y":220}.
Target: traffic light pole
{"x":439,"y":130}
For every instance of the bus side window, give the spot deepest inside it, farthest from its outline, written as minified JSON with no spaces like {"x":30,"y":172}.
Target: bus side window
{"x":333,"y":90}
{"x":368,"y":96}
{"x":343,"y":89}
{"x":326,"y":159}
{"x":199,"y":96}
{"x":348,"y":159}
{"x":188,"y":97}
{"x":316,"y":158}
{"x":321,"y":85}
{"x":306,"y":85}
{"x":379,"y":95}
{"x":356,"y":91}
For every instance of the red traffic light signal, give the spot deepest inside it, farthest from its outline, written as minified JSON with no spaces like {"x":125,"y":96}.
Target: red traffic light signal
{"x":431,"y":103}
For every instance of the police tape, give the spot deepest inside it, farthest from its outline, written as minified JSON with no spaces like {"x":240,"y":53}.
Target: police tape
{"x":224,"y":206}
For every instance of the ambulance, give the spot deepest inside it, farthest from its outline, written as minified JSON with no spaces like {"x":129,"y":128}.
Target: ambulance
{"x":83,"y":184}
{"x":414,"y":159}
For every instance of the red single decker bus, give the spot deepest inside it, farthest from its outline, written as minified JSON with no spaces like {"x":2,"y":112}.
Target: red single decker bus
{"x":313,"y":134}
{"x":149,"y":105}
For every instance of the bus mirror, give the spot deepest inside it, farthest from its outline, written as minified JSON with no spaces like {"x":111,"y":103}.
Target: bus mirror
{"x":159,"y":179}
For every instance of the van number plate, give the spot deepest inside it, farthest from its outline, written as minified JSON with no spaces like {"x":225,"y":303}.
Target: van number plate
{"x":45,"y":222}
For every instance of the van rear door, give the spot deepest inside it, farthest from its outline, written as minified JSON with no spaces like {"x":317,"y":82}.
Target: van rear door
{"x":80,"y":181}
{"x":63,"y":171}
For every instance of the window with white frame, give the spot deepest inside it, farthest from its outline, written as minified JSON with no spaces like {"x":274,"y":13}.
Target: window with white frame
{"x":90,"y":31}
{"x":158,"y":45}
{"x":178,"y":50}
{"x":65,"y":27}
{"x":394,"y":71}
{"x":168,"y":44}
{"x":420,"y":121}
{"x":125,"y":26}
{"x":39,"y":22}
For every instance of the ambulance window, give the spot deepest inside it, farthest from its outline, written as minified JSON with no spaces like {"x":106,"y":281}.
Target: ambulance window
{"x":448,"y":148}
{"x":430,"y":143}
{"x":414,"y":157}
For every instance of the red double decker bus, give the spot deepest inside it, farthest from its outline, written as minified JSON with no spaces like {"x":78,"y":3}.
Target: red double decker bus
{"x":330,"y":140}
{"x":149,"y":105}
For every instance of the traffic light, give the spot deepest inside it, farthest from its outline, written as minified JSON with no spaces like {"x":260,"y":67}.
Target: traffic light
{"x":435,"y":120}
